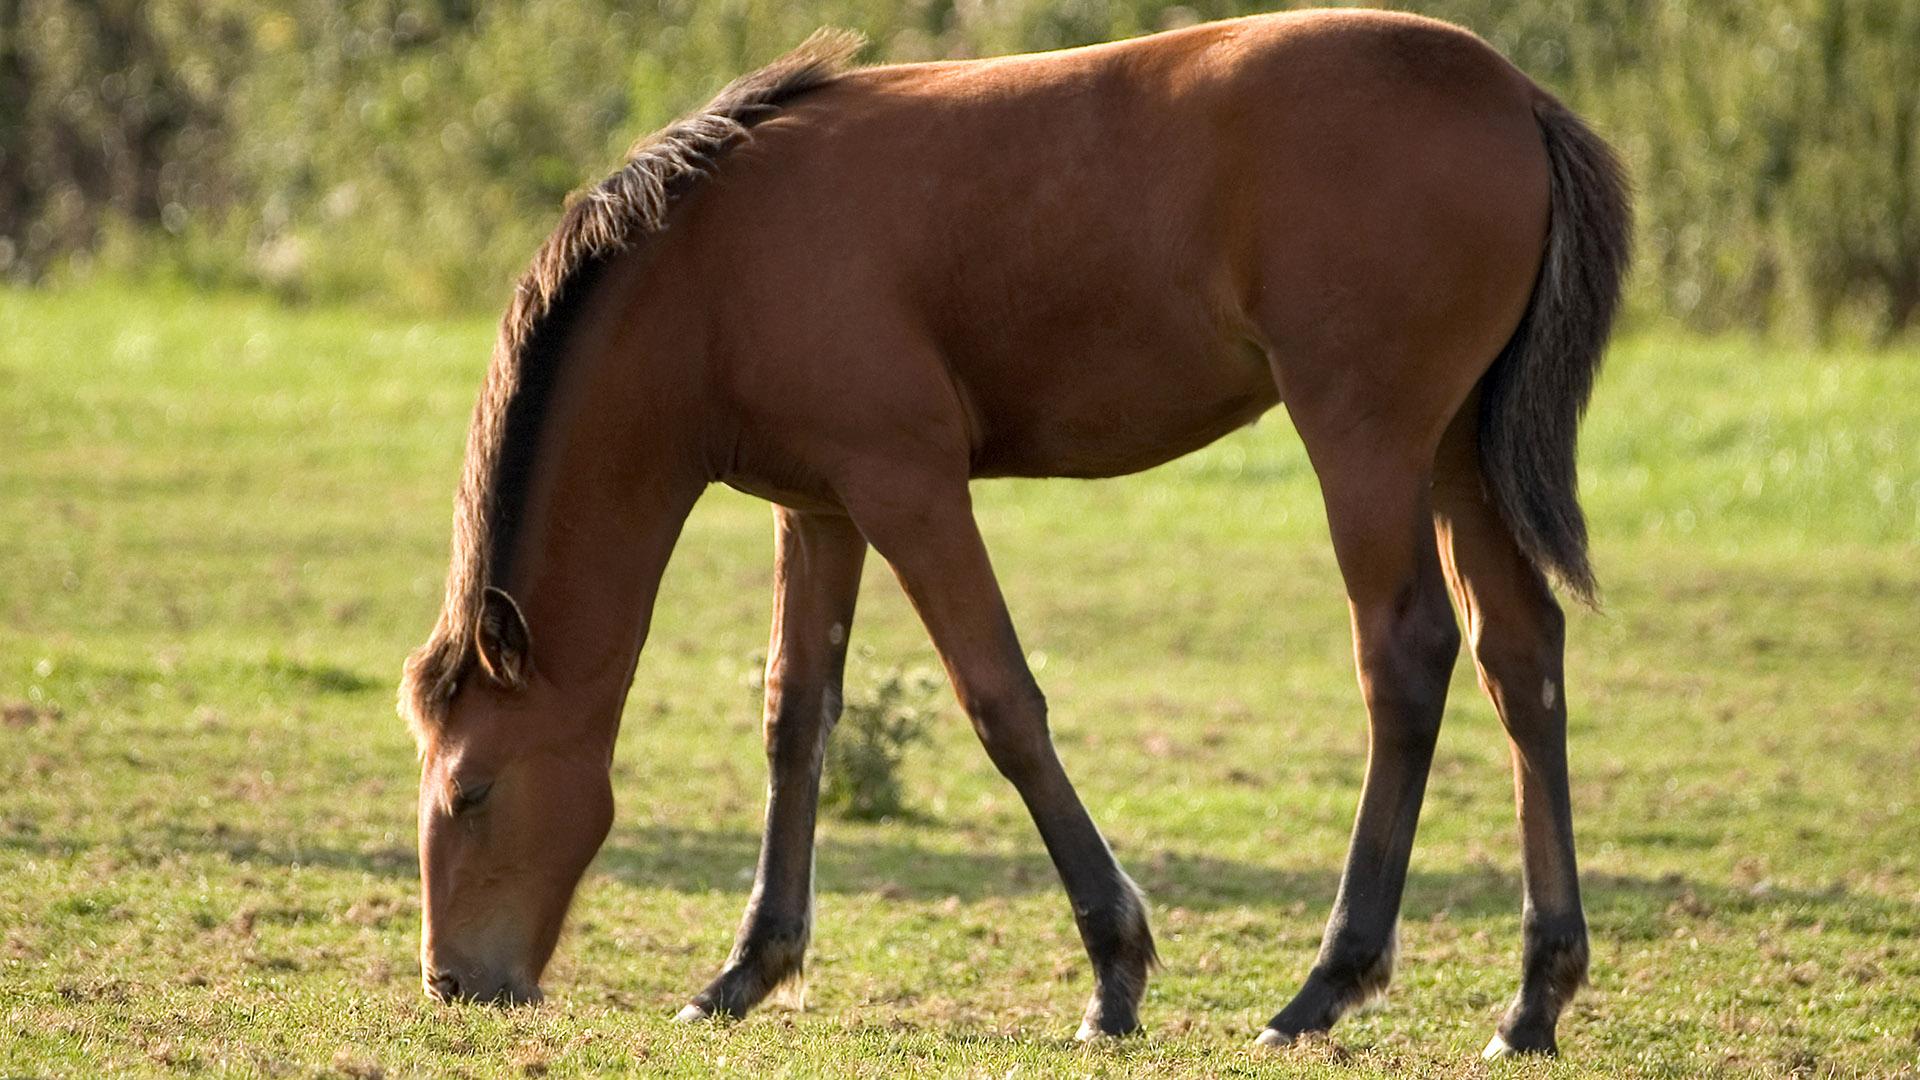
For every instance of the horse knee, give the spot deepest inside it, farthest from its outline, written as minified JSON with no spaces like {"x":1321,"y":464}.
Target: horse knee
{"x":1012,"y":726}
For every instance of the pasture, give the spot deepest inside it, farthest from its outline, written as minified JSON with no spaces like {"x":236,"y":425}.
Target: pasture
{"x":223,"y":524}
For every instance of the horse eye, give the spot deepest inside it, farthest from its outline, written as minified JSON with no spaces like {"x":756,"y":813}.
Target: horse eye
{"x":466,"y":798}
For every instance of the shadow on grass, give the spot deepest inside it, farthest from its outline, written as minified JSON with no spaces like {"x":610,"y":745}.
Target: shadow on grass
{"x":1630,"y":906}
{"x":721,"y":861}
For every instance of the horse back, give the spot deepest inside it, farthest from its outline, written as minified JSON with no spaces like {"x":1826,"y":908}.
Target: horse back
{"x":1089,"y":262}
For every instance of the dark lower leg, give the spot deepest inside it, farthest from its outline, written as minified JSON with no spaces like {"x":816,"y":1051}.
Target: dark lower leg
{"x":1405,"y":644}
{"x":1108,"y":908}
{"x":1518,"y":636}
{"x":818,"y":579}
{"x":1554,"y":964}
{"x":928,"y":533}
{"x":1405,"y":663}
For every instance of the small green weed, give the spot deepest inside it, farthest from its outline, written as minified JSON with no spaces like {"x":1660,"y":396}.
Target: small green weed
{"x":886,"y":716}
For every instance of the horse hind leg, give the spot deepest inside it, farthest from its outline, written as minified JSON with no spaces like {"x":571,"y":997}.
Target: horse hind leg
{"x":1405,"y":643}
{"x":1516,"y":631}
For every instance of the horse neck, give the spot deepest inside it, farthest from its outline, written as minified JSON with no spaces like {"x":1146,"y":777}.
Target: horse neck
{"x":618,"y":470}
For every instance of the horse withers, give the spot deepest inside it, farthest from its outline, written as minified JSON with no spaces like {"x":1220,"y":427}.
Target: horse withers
{"x":853,"y":290}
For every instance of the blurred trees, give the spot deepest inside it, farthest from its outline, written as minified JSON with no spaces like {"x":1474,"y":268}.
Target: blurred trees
{"x":110,"y":111}
{"x":414,"y":151}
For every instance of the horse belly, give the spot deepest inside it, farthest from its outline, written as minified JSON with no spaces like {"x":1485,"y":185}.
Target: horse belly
{"x":1108,"y":415}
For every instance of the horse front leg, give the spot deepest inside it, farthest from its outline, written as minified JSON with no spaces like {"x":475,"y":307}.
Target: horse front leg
{"x":817,"y":579}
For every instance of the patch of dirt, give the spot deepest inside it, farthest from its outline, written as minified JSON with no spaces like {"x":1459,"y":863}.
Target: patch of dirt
{"x":26,"y":714}
{"x":241,"y":924}
{"x":174,"y":1056}
{"x":348,"y":1063}
{"x":375,"y":910}
{"x":99,"y":991}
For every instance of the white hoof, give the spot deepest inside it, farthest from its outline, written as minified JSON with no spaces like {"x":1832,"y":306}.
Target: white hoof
{"x":1272,"y":1040}
{"x":692,"y":1014}
{"x":1088,"y":1033}
{"x":1497,"y":1048}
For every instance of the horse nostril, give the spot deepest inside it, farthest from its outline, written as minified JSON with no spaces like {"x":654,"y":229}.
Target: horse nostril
{"x":444,"y":986}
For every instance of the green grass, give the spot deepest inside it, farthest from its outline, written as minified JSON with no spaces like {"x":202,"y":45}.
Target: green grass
{"x":223,"y":524}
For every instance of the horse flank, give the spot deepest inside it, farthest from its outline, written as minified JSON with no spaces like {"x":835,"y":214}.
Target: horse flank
{"x":602,"y":221}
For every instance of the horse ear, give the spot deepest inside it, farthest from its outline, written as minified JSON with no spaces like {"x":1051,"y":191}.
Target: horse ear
{"x":502,"y":639}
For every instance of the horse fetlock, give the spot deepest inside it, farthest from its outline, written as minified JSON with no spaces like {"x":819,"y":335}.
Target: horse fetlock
{"x":764,"y":964}
{"x":1359,"y":975}
{"x":1517,"y":1037}
{"x":1121,"y":945}
{"x":1116,"y":933}
{"x":1500,"y":1047}
{"x":1556,"y":958}
{"x":737,"y":990}
{"x":1312,"y":1011}
{"x":1340,"y":983}
{"x":1555,"y":970}
{"x":1110,"y":1015}
{"x":1119,"y":987}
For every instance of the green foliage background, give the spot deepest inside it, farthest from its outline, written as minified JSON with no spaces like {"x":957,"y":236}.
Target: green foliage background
{"x":414,"y":151}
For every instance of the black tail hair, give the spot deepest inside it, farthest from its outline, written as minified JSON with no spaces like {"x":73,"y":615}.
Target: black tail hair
{"x":1532,"y":398}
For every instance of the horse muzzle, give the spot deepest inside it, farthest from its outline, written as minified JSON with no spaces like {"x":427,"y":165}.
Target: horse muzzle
{"x":450,"y":986}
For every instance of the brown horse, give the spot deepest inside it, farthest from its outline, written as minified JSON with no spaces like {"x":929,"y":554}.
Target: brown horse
{"x":1081,"y":264}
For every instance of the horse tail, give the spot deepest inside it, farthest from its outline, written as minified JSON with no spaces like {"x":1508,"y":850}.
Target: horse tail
{"x":1532,"y":398}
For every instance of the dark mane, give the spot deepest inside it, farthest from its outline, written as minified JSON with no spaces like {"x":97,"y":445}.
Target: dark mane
{"x":598,"y":223}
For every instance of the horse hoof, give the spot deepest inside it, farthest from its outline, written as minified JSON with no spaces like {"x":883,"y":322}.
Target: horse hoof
{"x":1498,"y":1049}
{"x":692,"y":1014}
{"x":1089,"y":1034}
{"x":1273,"y":1039}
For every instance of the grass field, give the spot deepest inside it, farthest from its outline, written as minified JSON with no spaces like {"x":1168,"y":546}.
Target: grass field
{"x":223,"y":524}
